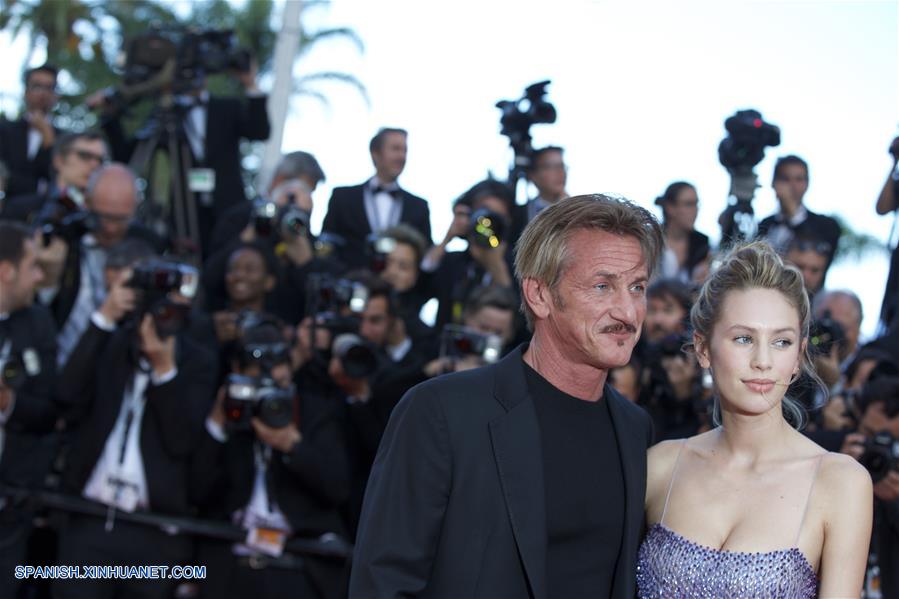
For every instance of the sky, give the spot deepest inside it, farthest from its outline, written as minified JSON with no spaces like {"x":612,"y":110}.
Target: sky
{"x":641,"y":89}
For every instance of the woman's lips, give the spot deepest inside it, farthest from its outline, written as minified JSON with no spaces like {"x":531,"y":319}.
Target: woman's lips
{"x":759,"y":385}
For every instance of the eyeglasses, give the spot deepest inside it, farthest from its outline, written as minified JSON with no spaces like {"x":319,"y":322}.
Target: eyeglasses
{"x":87,"y":155}
{"x":42,"y":87}
{"x":553,"y":166}
{"x":821,"y":248}
{"x":113,"y":218}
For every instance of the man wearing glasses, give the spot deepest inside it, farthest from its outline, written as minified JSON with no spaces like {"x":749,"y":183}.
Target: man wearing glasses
{"x":549,"y":174}
{"x":75,"y":157}
{"x":26,"y":143}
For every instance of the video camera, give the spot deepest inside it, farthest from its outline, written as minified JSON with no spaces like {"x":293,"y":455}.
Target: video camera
{"x":458,"y":341}
{"x":181,"y":57}
{"x":516,"y":120}
{"x":487,"y":228}
{"x":155,"y":278}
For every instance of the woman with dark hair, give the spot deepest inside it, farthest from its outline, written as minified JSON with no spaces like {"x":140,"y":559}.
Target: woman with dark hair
{"x":753,"y":508}
{"x":686,"y":249}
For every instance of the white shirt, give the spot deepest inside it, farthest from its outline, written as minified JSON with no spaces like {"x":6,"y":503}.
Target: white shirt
{"x":195,"y":123}
{"x":35,"y":140}
{"x":119,"y":478}
{"x":382,"y":208}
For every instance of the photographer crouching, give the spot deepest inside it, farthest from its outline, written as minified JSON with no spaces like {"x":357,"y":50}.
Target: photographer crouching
{"x":136,"y":390}
{"x":875,"y":445}
{"x":273,"y":462}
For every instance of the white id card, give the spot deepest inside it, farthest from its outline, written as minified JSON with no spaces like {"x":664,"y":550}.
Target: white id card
{"x":201,"y":180}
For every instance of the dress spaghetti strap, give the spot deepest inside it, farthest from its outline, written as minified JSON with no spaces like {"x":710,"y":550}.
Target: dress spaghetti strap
{"x":671,"y":482}
{"x":809,"y":498}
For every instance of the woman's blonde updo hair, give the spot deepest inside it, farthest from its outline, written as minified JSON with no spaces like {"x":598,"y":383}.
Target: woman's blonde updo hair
{"x":756,"y":265}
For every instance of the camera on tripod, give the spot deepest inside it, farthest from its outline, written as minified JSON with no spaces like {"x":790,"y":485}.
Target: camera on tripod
{"x":517,"y":118}
{"x":155,"y":279}
{"x":458,"y":341}
{"x":288,"y":221}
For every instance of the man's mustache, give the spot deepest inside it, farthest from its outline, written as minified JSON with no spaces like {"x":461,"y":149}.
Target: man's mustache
{"x":620,"y":328}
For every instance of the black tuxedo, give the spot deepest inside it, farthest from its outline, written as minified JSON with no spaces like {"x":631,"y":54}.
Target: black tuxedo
{"x":347,"y":218}
{"x":815,"y":227}
{"x":24,"y":173}
{"x":455,"y":506}
{"x":92,"y":387}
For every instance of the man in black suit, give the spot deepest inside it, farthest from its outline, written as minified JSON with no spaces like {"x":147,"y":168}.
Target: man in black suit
{"x":26,"y":143}
{"x":135,"y":400}
{"x":354,"y":213}
{"x":27,"y":414}
{"x":527,"y":477}
{"x":794,"y":220}
{"x":213,"y":126}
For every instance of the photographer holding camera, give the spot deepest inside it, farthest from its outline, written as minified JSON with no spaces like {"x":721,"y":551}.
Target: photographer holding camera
{"x":136,"y":391}
{"x":27,"y":377}
{"x":481,"y":216}
{"x":75,"y":157}
{"x":274,"y":462}
{"x":874,"y":444}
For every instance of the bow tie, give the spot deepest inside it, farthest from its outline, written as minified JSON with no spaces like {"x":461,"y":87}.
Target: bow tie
{"x":393,"y":191}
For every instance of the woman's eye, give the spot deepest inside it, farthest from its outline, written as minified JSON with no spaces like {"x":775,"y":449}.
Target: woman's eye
{"x":743,"y":339}
{"x":783,"y":343}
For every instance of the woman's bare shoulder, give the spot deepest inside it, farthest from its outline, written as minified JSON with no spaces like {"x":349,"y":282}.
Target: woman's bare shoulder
{"x":841,"y":474}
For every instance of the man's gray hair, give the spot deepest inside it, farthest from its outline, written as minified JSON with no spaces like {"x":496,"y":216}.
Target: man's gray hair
{"x":542,"y":251}
{"x":299,"y":164}
{"x":100,"y":171}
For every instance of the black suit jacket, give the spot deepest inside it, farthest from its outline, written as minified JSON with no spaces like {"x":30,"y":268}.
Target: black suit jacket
{"x":818,"y":227}
{"x":24,"y":174}
{"x":346,"y":217}
{"x":92,"y":388}
{"x":455,"y":506}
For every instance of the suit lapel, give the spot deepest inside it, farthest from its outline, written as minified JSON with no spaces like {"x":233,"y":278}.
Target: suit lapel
{"x":519,"y":459}
{"x":632,"y":452}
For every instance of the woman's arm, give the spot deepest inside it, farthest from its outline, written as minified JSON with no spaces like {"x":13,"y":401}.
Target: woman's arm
{"x":849,"y":503}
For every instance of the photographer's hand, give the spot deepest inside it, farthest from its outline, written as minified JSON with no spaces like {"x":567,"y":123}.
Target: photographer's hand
{"x":493,"y":260}
{"x":40,"y":122}
{"x":217,"y":413}
{"x":835,"y":416}
{"x":283,"y":439}
{"x":120,"y":300}
{"x":854,"y":445}
{"x":160,"y":353}
{"x":887,"y":489}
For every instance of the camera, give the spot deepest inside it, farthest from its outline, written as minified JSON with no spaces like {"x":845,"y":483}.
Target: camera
{"x":182,"y":57}
{"x":156,"y":278}
{"x":355,"y":354}
{"x":69,"y":226}
{"x":748,"y":136}
{"x":518,"y":116}
{"x":331,"y":295}
{"x":249,"y":397}
{"x":288,"y":221}
{"x":459,"y":341}
{"x":378,"y":248}
{"x":487,"y":228}
{"x":824,"y":333}
{"x":881,"y":455}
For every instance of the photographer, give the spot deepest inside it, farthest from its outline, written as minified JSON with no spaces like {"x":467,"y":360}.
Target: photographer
{"x":75,"y":157}
{"x":549,"y":174}
{"x":73,"y":261}
{"x":873,"y":444}
{"x":398,"y":255}
{"x":136,"y":389}
{"x":481,"y":216}
{"x":27,"y":376}
{"x":811,"y":257}
{"x":26,"y":143}
{"x":686,"y":254}
{"x":794,"y":219}
{"x":274,"y":462}
{"x":213,"y":127}
{"x":668,"y":303}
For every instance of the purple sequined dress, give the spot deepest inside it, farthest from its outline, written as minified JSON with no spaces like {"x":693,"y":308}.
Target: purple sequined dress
{"x":669,"y":565}
{"x":672,"y":566}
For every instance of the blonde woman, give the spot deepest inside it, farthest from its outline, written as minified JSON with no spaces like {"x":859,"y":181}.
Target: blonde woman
{"x":753,"y":508}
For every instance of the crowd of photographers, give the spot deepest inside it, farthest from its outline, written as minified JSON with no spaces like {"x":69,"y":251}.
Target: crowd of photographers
{"x":248,"y":382}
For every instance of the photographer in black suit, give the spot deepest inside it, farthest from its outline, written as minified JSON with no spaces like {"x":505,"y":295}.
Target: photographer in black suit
{"x":276,"y":465}
{"x":526,"y":478}
{"x":27,"y":377}
{"x":135,"y":391}
{"x":26,"y":143}
{"x":356,"y":212}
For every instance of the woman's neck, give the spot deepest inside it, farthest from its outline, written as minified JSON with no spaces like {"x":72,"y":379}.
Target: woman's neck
{"x":750,"y":439}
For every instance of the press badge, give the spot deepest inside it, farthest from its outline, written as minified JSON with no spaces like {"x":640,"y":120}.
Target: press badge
{"x":201,"y":180}
{"x":267,"y":540}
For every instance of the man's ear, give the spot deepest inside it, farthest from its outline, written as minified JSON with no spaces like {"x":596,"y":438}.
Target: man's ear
{"x":537,"y":296}
{"x":701,"y":349}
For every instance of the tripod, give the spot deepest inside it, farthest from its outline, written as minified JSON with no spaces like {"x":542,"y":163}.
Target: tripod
{"x":738,"y":219}
{"x":162,"y":159}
